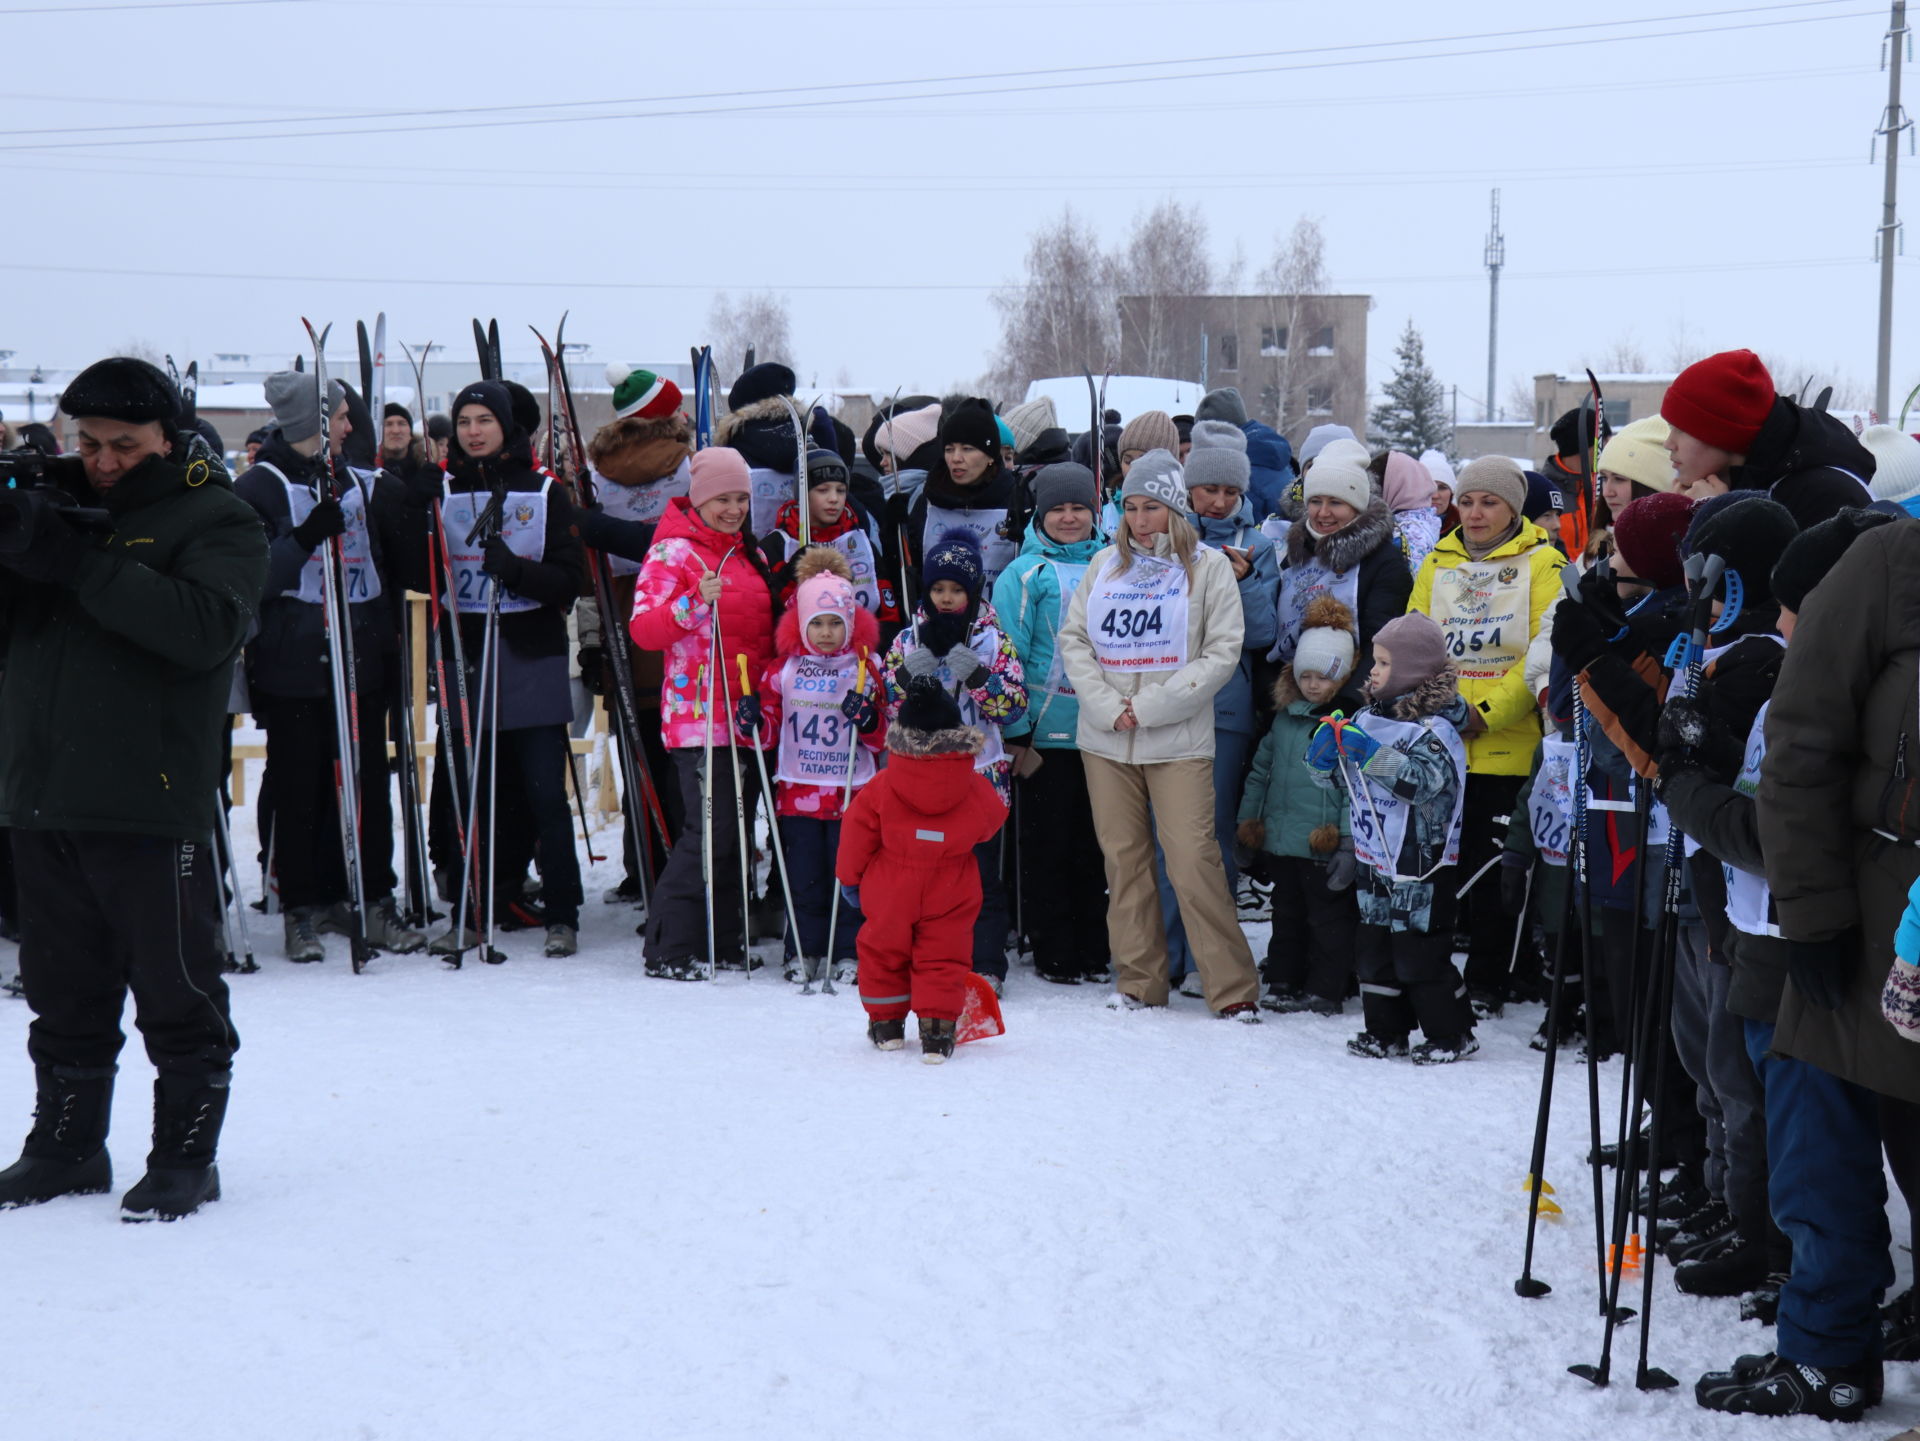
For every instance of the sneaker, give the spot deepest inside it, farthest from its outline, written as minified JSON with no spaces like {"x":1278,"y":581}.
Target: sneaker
{"x":887,"y":1035}
{"x":1247,"y":1013}
{"x":303,"y":936}
{"x":1900,"y":1328}
{"x":1445,"y":1052}
{"x":846,"y":971}
{"x":1487,"y":1005}
{"x":1375,"y":1049}
{"x":1121,"y":1001}
{"x":453,"y":940}
{"x":562,"y":940}
{"x":1774,"y":1386}
{"x":387,"y":932}
{"x":627,"y":893}
{"x":936,"y":1041}
{"x":1192,"y":985}
{"x":680,"y":968}
{"x":1687,"y":1239}
{"x":1734,"y":1268}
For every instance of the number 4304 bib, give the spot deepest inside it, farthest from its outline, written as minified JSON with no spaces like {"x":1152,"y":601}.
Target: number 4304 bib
{"x":1484,"y":609}
{"x":1138,"y":621}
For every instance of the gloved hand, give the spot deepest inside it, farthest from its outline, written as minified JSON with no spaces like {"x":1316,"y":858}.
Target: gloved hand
{"x":54,"y":554}
{"x":1822,"y":971}
{"x":423,"y":489}
{"x":748,"y":717}
{"x":860,"y":711}
{"x":1251,"y":834}
{"x":921,"y":663}
{"x":851,"y":895}
{"x":941,"y":632}
{"x":1900,"y":1000}
{"x":323,"y":523}
{"x":593,"y":669}
{"x":500,"y":563}
{"x":1341,"y":866}
{"x":1355,"y":744}
{"x":1323,"y":751}
{"x":1581,"y":634}
{"x":974,"y":678}
{"x":1514,"y":870}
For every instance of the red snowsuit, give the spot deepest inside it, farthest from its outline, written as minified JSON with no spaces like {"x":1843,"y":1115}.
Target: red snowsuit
{"x":907,"y":842}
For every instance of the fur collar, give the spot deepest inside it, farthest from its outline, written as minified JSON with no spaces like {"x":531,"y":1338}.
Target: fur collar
{"x":965,"y":740}
{"x":1347,"y":547}
{"x":1431,"y":697}
{"x":637,"y":451}
{"x":774,"y":407}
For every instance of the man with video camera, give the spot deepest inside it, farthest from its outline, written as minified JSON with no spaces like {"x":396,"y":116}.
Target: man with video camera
{"x":129,"y":576}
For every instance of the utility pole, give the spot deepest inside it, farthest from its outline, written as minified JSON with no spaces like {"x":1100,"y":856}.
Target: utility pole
{"x":1497,"y":257}
{"x":1887,"y":241}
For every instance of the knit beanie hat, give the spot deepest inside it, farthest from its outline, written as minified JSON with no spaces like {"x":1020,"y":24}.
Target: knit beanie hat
{"x":396,"y":411}
{"x":1816,"y":550}
{"x":1157,"y":475}
{"x":825,"y":467}
{"x":1543,"y":501}
{"x":125,"y":389}
{"x":1497,"y":476}
{"x":1326,"y":645}
{"x":1439,"y":467}
{"x":1406,"y":484}
{"x":1638,"y":452}
{"x":1338,"y":479}
{"x":1218,"y":434}
{"x":641,"y":393}
{"x":1063,"y":484}
{"x":762,"y":382}
{"x":908,"y":431}
{"x":972,"y":423}
{"x":1222,"y":404}
{"x":1320,"y":437}
{"x":717,"y":470}
{"x":439,"y":426}
{"x":955,"y":556}
{"x":1896,"y":455}
{"x":295,"y":402}
{"x":490,"y":395}
{"x":1027,"y":421}
{"x":1342,"y":449}
{"x":927,"y":708}
{"x":1217,"y":465}
{"x":1721,"y":401}
{"x":1746,"y":530}
{"x":1647,"y":535}
{"x":1007,"y":442}
{"x":1416,"y":653}
{"x":1150,"y":430}
{"x":823,"y":586}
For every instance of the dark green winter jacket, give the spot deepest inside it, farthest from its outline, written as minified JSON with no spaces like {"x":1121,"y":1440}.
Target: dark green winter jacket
{"x":1281,"y":793}
{"x":113,"y":700}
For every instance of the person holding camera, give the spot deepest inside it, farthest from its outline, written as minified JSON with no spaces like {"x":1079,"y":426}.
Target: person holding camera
{"x":128,"y":579}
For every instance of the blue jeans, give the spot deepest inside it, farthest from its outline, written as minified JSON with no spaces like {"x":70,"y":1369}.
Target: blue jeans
{"x":1231,"y":752}
{"x":1828,"y":1192}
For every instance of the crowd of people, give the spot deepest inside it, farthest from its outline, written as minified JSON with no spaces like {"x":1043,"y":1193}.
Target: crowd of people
{"x":997,"y":687}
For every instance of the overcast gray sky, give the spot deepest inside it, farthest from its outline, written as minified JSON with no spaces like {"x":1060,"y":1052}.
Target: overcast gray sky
{"x":1709,"y":187}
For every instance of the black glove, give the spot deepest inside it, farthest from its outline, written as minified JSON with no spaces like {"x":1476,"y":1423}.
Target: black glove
{"x":941,"y":632}
{"x":593,"y":669}
{"x":500,"y":562}
{"x":53,"y":556}
{"x":861,"y":713}
{"x":975,"y":678}
{"x":1513,"y":882}
{"x":1683,"y":732}
{"x":1822,"y":971}
{"x":423,"y":487}
{"x":1581,"y":634}
{"x":747,"y":716}
{"x":323,"y":523}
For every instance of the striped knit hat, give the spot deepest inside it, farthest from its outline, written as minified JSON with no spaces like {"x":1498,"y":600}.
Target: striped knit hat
{"x":641,"y":393}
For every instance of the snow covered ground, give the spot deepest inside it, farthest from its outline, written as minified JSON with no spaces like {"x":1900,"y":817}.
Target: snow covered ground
{"x":558,"y":1199}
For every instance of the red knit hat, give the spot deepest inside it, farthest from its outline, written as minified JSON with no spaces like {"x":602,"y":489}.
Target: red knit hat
{"x":1647,"y":535}
{"x":1722,"y":400}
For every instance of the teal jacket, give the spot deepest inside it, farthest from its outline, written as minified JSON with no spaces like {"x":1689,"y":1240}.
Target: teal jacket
{"x":1031,"y":605}
{"x":1281,"y":792}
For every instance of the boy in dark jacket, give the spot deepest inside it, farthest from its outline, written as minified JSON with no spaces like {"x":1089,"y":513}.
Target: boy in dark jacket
{"x":912,"y":831}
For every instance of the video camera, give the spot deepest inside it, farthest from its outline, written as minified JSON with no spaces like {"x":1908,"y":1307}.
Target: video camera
{"x":28,"y":492}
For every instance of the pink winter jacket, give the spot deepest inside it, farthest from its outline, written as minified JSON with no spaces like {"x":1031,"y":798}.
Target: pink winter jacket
{"x":669,"y":616}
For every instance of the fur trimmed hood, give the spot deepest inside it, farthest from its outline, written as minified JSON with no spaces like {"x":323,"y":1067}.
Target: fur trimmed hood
{"x":1346,"y":547}
{"x":866,"y":636}
{"x":763,"y":432}
{"x":919,"y":745}
{"x":638,"y":451}
{"x":1434,"y":696}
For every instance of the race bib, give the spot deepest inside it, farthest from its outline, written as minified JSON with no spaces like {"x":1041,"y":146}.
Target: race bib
{"x":984,"y":648}
{"x":644,"y":504}
{"x":1749,"y":900}
{"x":1067,"y":577}
{"x":1300,"y":586}
{"x":770,"y":490}
{"x":363,"y":578}
{"x":817,"y":742}
{"x":1484,"y":612}
{"x":996,"y":551}
{"x":523,"y":526}
{"x":1380,"y":818}
{"x":1550,"y":802}
{"x":857,"y":547}
{"x":1275,"y":528}
{"x":1138,"y":621}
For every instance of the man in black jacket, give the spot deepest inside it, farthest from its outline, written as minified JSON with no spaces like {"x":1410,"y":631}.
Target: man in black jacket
{"x":120,"y":632}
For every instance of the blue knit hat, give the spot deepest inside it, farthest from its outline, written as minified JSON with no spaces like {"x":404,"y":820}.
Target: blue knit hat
{"x":955,"y":556}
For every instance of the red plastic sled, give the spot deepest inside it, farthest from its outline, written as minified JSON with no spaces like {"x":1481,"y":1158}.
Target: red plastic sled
{"x":980,"y":1017}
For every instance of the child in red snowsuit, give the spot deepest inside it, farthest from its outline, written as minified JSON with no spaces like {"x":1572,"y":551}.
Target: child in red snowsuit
{"x":911,"y":834}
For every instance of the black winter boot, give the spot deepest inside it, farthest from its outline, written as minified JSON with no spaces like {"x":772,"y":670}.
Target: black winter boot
{"x":181,"y":1176}
{"x":1774,"y":1386}
{"x":66,"y":1151}
{"x":936,"y":1040}
{"x":1735,"y":1267}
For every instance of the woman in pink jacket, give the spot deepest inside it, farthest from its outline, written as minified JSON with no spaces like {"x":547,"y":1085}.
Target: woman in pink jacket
{"x":704,"y":597}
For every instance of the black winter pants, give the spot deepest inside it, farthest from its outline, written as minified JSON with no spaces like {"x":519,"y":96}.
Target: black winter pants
{"x":812,"y":849}
{"x":531,"y":795}
{"x":1407,"y":979}
{"x":1312,"y":946}
{"x":1490,"y":930}
{"x":1063,"y":886}
{"x":102,"y":914}
{"x":301,"y":751}
{"x":991,"y":925}
{"x":677,"y":924}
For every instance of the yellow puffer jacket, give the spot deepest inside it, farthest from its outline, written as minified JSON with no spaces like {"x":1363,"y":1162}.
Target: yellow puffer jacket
{"x":1490,"y":612}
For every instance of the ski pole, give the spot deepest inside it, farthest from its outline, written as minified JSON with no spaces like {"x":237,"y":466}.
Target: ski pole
{"x":739,"y":800}
{"x":703,"y":699}
{"x":239,"y":902}
{"x":580,"y":802}
{"x":833,"y":871}
{"x":779,"y":849}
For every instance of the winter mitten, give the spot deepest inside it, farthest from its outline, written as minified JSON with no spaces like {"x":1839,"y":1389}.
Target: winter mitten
{"x":54,"y":553}
{"x":1513,"y":882}
{"x":748,"y":717}
{"x":1251,"y":834}
{"x":975,"y":678}
{"x":1323,"y":751}
{"x":1900,"y":1001}
{"x":424,"y":489}
{"x":1355,"y":744}
{"x":323,"y":523}
{"x":500,"y":562}
{"x":1340,"y":867}
{"x":593,"y":674}
{"x":1580,"y":635}
{"x":941,"y":632}
{"x":1822,"y":970}
{"x":860,"y":711}
{"x":851,"y":895}
{"x":921,"y":663}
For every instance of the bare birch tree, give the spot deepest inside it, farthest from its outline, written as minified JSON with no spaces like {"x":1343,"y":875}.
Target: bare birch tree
{"x":1060,"y":318}
{"x":758,"y":321}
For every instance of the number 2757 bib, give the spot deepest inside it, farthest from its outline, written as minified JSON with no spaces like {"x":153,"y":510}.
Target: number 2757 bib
{"x":1138,"y":621}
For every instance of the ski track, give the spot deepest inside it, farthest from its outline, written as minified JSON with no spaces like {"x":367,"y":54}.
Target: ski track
{"x":556,"y":1197}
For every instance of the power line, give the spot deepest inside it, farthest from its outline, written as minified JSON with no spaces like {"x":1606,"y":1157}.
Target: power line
{"x":152,"y":5}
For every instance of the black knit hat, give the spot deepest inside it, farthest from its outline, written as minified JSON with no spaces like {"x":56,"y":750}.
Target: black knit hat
{"x":763,"y":382}
{"x":526,"y":410}
{"x":825,"y":467}
{"x":396,"y":411}
{"x":439,"y":427}
{"x":490,"y":394}
{"x":927,"y":708}
{"x":972,"y":423}
{"x":1816,"y":550}
{"x":1747,"y":531}
{"x":123,"y":388}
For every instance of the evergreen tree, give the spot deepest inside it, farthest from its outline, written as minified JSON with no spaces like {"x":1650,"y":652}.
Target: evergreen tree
{"x":1412,"y":413}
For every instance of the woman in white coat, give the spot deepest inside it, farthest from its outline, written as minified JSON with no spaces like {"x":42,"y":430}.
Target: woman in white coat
{"x":1154,"y":630}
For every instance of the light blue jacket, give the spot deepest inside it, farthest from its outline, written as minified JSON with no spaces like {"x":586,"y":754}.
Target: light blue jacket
{"x":1259,"y":603}
{"x":1031,"y":605}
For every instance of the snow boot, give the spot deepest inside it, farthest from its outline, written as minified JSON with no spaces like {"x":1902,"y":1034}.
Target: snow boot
{"x":1375,"y":1049}
{"x":887,"y":1035}
{"x":1774,"y":1386}
{"x":181,"y":1177}
{"x":1900,"y":1328}
{"x":1487,"y":1005}
{"x":1280,"y":998}
{"x":1303,"y":1004}
{"x":1732,"y":1267}
{"x":627,"y":893}
{"x":680,"y":968}
{"x":562,"y":940}
{"x":66,"y":1151}
{"x":1445,"y":1051}
{"x":1055,"y":974}
{"x":846,"y":971}
{"x":1247,"y":1013}
{"x":1682,"y":1194}
{"x":1690,"y":1239}
{"x":387,"y":932}
{"x":936,"y":1040}
{"x":797,"y":968}
{"x":301,"y":927}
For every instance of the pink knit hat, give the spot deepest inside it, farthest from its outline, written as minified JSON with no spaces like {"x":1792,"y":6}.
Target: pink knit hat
{"x":907,"y":432}
{"x":823,"y":594}
{"x":717,"y":470}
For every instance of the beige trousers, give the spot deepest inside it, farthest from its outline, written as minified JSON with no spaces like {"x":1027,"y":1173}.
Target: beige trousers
{"x":1176,"y":797}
